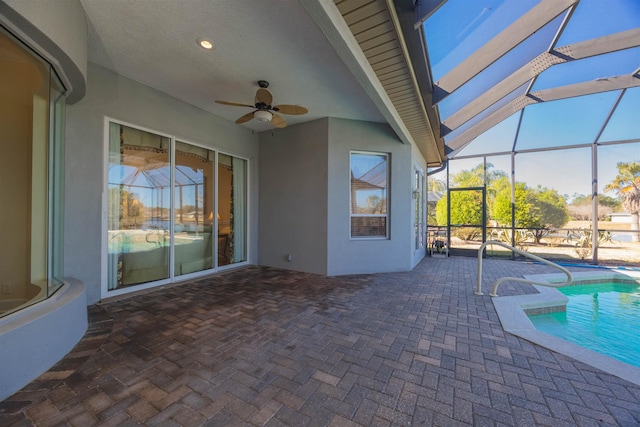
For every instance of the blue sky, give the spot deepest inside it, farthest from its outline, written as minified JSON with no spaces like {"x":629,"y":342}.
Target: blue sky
{"x":459,"y":27}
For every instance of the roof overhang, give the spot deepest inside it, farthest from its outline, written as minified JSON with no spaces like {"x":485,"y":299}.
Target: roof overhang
{"x":377,"y":41}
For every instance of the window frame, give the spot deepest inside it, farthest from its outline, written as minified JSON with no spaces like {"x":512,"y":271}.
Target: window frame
{"x":173,"y":277}
{"x":386,"y":215}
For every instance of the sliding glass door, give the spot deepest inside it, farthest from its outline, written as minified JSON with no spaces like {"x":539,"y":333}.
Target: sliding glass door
{"x":139,"y":176}
{"x":194,"y":207}
{"x":232,"y":210}
{"x":166,"y":200}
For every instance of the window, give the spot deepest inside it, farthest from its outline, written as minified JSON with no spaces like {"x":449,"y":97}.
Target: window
{"x":232,"y":210}
{"x":139,"y":178}
{"x":32,"y":107}
{"x":369,"y":201}
{"x":194,"y":183}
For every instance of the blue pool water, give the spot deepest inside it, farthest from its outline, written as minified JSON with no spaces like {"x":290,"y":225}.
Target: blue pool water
{"x":602,"y":317}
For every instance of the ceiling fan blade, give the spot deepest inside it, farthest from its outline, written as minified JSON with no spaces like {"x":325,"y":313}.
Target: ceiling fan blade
{"x":278,"y":121}
{"x":263,"y":95}
{"x":290,"y":109}
{"x":235,"y":104}
{"x":245,"y":118}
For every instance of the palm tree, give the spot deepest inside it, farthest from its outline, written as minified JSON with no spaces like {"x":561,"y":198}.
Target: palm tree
{"x":627,"y":185}
{"x":436,"y":185}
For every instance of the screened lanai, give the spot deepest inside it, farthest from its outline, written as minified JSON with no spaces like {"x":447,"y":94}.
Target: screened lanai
{"x":539,"y":108}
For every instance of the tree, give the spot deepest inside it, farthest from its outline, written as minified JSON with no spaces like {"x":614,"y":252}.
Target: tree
{"x":537,"y":209}
{"x":125,"y":209}
{"x":477,"y":176}
{"x":627,"y":185}
{"x":553,"y":208}
{"x":526,"y":213}
{"x":466,"y":209}
{"x":581,"y":208}
{"x":436,"y":185}
{"x":375,"y":205}
{"x":608,"y":201}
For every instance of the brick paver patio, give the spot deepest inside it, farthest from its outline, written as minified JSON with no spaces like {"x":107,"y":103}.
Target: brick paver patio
{"x":261,"y":346}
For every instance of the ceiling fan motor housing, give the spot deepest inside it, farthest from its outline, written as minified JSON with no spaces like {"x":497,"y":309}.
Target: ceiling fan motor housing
{"x":265,"y":112}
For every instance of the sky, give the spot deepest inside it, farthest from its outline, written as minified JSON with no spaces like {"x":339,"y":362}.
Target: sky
{"x":569,"y":122}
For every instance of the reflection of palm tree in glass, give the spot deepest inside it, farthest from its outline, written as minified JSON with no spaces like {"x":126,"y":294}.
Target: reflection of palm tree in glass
{"x":375,"y":204}
{"x":436,"y":185}
{"x":627,"y":185}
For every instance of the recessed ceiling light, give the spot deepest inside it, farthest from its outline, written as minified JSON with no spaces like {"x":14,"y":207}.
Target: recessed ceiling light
{"x":205,"y":44}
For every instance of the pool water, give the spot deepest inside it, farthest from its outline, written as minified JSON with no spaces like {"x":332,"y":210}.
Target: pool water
{"x":603,"y":317}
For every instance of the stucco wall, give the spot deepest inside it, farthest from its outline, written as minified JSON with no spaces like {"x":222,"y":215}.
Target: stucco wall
{"x":293,"y":197}
{"x":117,"y":97}
{"x":346,"y":255}
{"x":57,"y":30}
{"x":35,"y":338}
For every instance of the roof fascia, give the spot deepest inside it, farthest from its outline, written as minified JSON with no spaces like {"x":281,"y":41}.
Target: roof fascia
{"x":328,"y":18}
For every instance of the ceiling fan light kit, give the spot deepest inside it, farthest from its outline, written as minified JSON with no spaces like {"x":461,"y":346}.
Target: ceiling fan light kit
{"x":262,"y":116}
{"x":205,"y":44}
{"x":264,"y":112}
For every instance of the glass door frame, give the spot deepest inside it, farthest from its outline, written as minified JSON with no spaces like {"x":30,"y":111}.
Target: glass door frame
{"x":247,"y":232}
{"x":420,"y":211}
{"x":104,"y":291}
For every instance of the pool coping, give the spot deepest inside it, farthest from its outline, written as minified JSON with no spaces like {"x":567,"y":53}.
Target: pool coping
{"x":513,"y":317}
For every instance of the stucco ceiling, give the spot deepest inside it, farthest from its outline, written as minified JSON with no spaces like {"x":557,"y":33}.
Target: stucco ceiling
{"x":154,"y":42}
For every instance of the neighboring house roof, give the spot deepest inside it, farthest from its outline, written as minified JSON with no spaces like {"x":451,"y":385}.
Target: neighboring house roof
{"x":434,"y":196}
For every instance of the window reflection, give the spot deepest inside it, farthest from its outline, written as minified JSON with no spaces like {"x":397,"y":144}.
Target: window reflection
{"x":232,"y":210}
{"x":369,"y":184}
{"x":31,"y":180}
{"x":139,"y":200}
{"x":194,"y":207}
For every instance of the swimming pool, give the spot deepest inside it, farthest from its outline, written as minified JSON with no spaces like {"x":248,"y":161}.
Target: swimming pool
{"x":516,"y":312}
{"x":603,"y":317}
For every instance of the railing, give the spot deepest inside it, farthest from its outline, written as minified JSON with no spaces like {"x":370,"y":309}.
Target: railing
{"x":159,"y":234}
{"x":517,"y":279}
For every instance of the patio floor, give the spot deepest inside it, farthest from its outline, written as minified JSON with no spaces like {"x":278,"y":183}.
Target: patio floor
{"x":261,"y":346}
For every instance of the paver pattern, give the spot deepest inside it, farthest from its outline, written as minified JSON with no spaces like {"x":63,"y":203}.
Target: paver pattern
{"x":261,"y":346}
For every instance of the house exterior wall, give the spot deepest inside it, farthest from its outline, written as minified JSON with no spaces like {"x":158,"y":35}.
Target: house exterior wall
{"x":116,"y":97}
{"x":57,"y":31}
{"x":620,"y":218}
{"x":350,"y":256}
{"x":305,"y":199}
{"x":293,"y":197}
{"x":305,"y":185}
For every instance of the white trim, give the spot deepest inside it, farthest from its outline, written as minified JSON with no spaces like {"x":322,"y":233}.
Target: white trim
{"x":417,"y":167}
{"x":216,"y":226}
{"x":104,"y":232}
{"x":172,"y":207}
{"x":387,"y":215}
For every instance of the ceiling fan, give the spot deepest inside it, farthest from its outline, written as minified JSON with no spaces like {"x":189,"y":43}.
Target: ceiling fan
{"x":264,"y":111}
